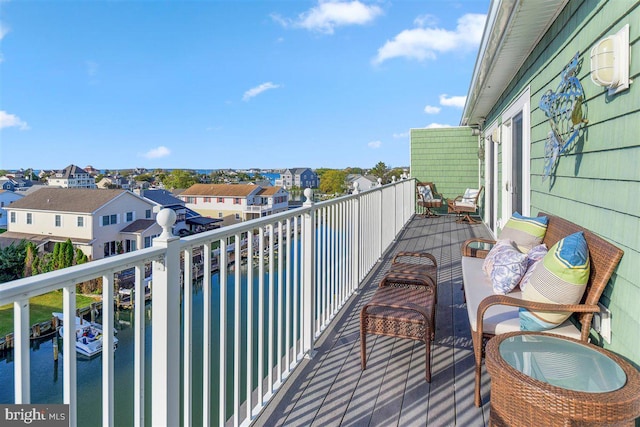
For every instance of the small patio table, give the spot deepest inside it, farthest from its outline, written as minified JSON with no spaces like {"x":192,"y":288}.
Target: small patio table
{"x":546,"y":379}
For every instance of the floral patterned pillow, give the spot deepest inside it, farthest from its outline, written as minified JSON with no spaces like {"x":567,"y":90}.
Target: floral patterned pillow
{"x":506,"y":265}
{"x":535,"y":255}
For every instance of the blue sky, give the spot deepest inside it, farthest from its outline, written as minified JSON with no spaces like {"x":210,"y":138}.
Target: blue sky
{"x":229,"y":84}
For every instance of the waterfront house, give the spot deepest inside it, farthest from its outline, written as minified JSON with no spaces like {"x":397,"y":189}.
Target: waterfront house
{"x":525,"y":49}
{"x":72,"y":177}
{"x":6,"y":198}
{"x":235,"y":203}
{"x":365,"y":182}
{"x":298,"y":177}
{"x":543,"y":133}
{"x":99,"y":222}
{"x":187,"y":220}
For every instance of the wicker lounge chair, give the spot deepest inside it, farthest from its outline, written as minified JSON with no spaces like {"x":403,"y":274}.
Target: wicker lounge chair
{"x":465,"y":205}
{"x":404,"y":304}
{"x":428,"y":198}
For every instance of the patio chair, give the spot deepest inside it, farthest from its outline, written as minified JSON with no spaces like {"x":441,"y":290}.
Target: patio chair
{"x":463,"y":206}
{"x":428,"y":198}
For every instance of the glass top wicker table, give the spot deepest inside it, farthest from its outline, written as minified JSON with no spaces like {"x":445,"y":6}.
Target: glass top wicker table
{"x":545,"y":379}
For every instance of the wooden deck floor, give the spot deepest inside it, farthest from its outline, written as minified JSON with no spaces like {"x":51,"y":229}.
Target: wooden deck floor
{"x":332,"y":390}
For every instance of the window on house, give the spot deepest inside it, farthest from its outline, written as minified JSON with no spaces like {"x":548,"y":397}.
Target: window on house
{"x":105,"y":220}
{"x":110,"y":248}
{"x":58,"y":221}
{"x":147,"y":242}
{"x":1,"y":204}
{"x":191,"y":200}
{"x":29,"y":218}
{"x":237,"y":201}
{"x":129,"y":216}
{"x":130,"y":245}
{"x":147,"y":214}
{"x":219,"y":214}
{"x":207,"y":199}
{"x":12,"y":217}
{"x":80,"y":221}
{"x":220,"y":199}
{"x":237,"y":216}
{"x":114,"y":219}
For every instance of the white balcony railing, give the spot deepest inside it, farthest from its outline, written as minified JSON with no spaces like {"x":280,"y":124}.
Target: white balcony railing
{"x":303,"y":265}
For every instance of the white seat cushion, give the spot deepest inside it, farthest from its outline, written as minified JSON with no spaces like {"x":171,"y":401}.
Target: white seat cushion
{"x":498,"y":319}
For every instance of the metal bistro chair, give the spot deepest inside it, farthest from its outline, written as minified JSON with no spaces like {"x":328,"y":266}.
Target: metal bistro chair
{"x":428,"y":198}
{"x":465,"y":205}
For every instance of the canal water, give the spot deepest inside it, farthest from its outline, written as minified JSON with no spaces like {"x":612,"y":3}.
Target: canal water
{"x":47,"y":375}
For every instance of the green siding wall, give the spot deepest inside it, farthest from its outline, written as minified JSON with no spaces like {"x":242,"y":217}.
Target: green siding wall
{"x":448,"y":157}
{"x":597,"y":183}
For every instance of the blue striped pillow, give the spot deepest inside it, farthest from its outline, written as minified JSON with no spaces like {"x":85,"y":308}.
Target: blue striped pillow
{"x":560,"y":278}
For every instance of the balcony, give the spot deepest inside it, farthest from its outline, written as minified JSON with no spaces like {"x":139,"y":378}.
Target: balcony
{"x":294,"y":272}
{"x":257,"y":208}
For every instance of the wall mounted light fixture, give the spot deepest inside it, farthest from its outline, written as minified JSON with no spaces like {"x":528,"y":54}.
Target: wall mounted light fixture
{"x":610,"y":61}
{"x":495,"y":135}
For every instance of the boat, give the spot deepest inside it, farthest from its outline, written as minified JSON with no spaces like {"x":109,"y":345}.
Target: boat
{"x":88,"y":337}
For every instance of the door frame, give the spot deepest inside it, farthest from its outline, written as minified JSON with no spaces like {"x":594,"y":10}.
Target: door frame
{"x":522,"y":104}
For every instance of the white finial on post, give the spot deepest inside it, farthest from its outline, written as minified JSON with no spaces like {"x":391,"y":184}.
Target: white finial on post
{"x":308,"y":193}
{"x":379,"y":182}
{"x":393,"y":179}
{"x":166,"y":218}
{"x":356,"y":188}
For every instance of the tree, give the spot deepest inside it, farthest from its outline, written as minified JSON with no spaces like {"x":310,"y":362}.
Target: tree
{"x":333,"y":181}
{"x":179,"y":178}
{"x":12,"y":261}
{"x":68,"y":254}
{"x":31,"y":255}
{"x":354,"y":171}
{"x":379,"y":171}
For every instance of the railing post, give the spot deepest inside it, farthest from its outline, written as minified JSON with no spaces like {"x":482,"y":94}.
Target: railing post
{"x":381,"y":219}
{"x":355,"y":241}
{"x":22,"y":361}
{"x":165,"y":338}
{"x":308,"y":276}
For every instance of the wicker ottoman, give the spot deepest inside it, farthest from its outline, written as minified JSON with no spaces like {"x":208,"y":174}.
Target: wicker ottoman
{"x":401,"y":312}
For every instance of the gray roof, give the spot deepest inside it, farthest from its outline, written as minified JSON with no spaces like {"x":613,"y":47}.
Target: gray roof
{"x":138,"y":226}
{"x":162,"y":197}
{"x":72,"y":170}
{"x":67,"y":199}
{"x":201,"y":220}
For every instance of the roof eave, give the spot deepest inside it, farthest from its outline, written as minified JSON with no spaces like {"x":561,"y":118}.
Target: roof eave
{"x":504,"y":23}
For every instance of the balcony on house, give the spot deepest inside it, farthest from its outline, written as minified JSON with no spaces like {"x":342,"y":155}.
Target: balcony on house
{"x":298,"y":273}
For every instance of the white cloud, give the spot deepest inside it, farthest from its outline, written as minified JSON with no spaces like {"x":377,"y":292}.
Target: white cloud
{"x":255,"y":91}
{"x":3,"y":30}
{"x":401,"y":135}
{"x":437,"y":126}
{"x":375,"y":144}
{"x":452,"y":101}
{"x":424,"y":43}
{"x":158,"y":152}
{"x":430,"y":109}
{"x":328,"y":15}
{"x":425,"y":21}
{"x":10,"y":120}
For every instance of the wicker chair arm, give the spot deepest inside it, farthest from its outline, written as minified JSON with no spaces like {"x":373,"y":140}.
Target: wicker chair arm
{"x":404,"y":306}
{"x":476,"y":253}
{"x":415,"y":254}
{"x":530,"y":305}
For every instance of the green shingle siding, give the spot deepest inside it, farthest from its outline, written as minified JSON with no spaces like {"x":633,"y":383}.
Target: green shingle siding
{"x":447,"y":157}
{"x":597,"y":183}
